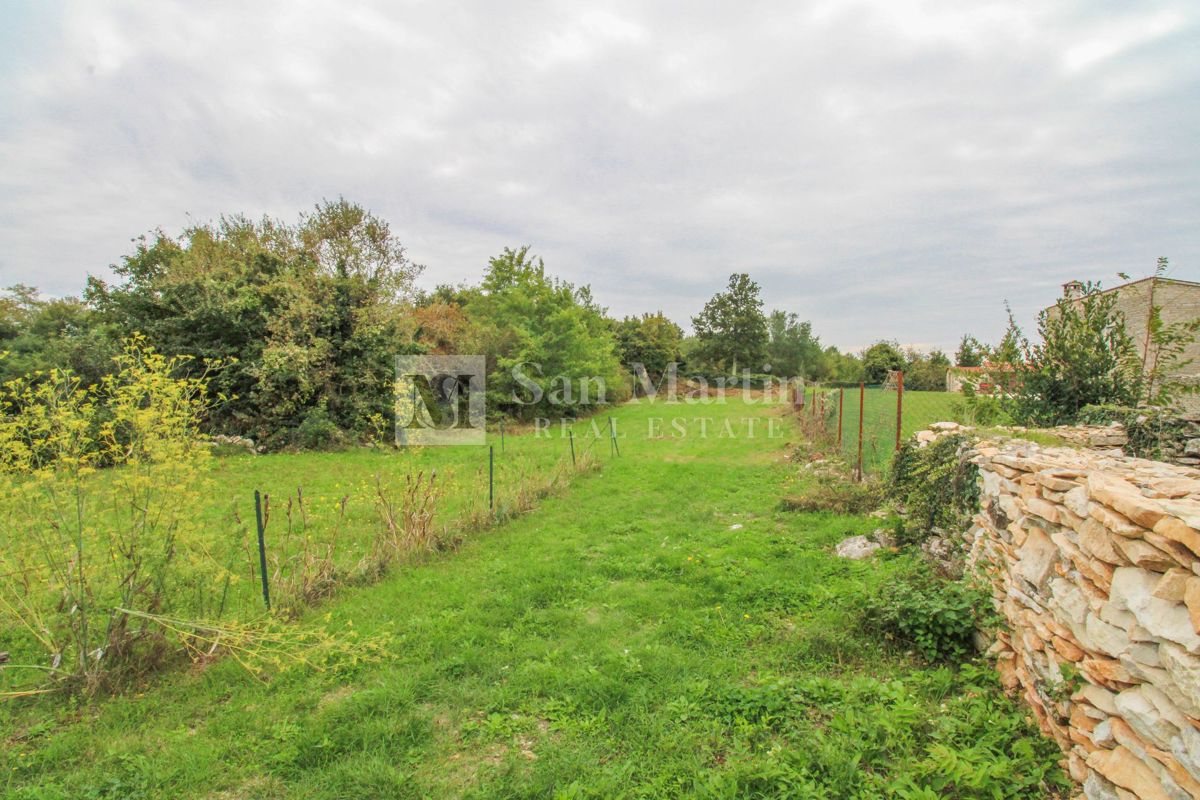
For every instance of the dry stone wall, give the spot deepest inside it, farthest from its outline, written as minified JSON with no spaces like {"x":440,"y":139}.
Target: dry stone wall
{"x":1094,"y":561}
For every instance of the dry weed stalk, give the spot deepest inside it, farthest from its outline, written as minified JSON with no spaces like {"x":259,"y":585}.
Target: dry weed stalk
{"x":311,"y":573}
{"x":407,"y":527}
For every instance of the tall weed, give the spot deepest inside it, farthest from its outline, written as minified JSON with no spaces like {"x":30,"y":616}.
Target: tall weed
{"x":97,"y":488}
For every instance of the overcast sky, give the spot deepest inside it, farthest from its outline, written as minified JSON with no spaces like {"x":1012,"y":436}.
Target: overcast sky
{"x":886,"y":169}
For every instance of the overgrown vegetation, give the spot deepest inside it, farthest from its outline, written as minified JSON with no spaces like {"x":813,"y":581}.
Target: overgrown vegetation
{"x":87,"y":551}
{"x":664,"y":630}
{"x":1150,"y":430}
{"x":309,"y":318}
{"x":935,"y":617}
{"x":1086,"y":356}
{"x":980,"y":409}
{"x":118,"y":520}
{"x":834,"y":492}
{"x":937,"y":486}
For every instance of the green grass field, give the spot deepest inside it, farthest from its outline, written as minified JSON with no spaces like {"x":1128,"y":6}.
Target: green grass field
{"x":659,"y":628}
{"x":318,"y":500}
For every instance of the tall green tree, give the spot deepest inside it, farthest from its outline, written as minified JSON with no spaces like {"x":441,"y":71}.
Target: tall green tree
{"x":310,"y":316}
{"x":881,"y":358}
{"x":970,"y":352}
{"x":651,"y":340}
{"x":548,"y":344}
{"x":731,"y":331}
{"x":792,"y":349}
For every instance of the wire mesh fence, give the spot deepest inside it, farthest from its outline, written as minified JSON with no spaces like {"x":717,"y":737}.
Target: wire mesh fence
{"x":330,"y":518}
{"x":865,"y":423}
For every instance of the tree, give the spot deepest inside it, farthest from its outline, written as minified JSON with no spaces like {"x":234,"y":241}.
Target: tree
{"x":651,"y":340}
{"x":546,"y":341}
{"x":970,"y":352}
{"x":309,"y":316}
{"x":792,"y":349}
{"x":39,"y":334}
{"x":1085,"y":357}
{"x":731,"y":331}
{"x":881,"y":358}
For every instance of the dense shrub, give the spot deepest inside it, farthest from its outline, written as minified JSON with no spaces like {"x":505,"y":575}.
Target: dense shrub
{"x":1086,"y":356}
{"x":308,"y":316}
{"x":936,"y":484}
{"x":980,"y":409}
{"x":1149,"y":429}
{"x":934,"y":617}
{"x":38,"y":334}
{"x":318,"y":432}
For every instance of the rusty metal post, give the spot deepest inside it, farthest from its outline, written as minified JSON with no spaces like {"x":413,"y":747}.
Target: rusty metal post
{"x":862,"y":397}
{"x":841,"y":402}
{"x":899,"y":405}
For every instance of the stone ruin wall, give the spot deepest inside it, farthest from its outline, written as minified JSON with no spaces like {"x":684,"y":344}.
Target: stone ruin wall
{"x":1094,"y":561}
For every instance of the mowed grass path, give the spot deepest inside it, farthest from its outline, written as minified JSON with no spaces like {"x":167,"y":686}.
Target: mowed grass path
{"x":660,"y":629}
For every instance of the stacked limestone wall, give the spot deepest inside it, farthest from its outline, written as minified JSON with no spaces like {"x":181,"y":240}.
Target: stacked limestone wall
{"x":1095,"y":564}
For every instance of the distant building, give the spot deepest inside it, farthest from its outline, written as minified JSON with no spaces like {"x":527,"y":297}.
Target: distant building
{"x":957,"y":377}
{"x":1178,"y":301}
{"x":980,"y":378}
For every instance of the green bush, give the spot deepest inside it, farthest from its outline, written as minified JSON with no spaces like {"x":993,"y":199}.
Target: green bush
{"x":1086,"y":356}
{"x":980,"y":409}
{"x":1149,"y":429}
{"x":938,"y":487}
{"x":318,"y":432}
{"x":936,"y":618}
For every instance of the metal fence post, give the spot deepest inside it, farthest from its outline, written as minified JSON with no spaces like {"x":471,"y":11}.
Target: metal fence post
{"x":841,"y":402}
{"x":491,"y":478}
{"x":899,"y":405}
{"x":262,"y":548}
{"x":862,"y":397}
{"x":571,"y":439}
{"x":612,"y":432}
{"x":502,"y":436}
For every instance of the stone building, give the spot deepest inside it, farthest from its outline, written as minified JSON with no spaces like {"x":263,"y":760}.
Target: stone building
{"x":1178,"y":301}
